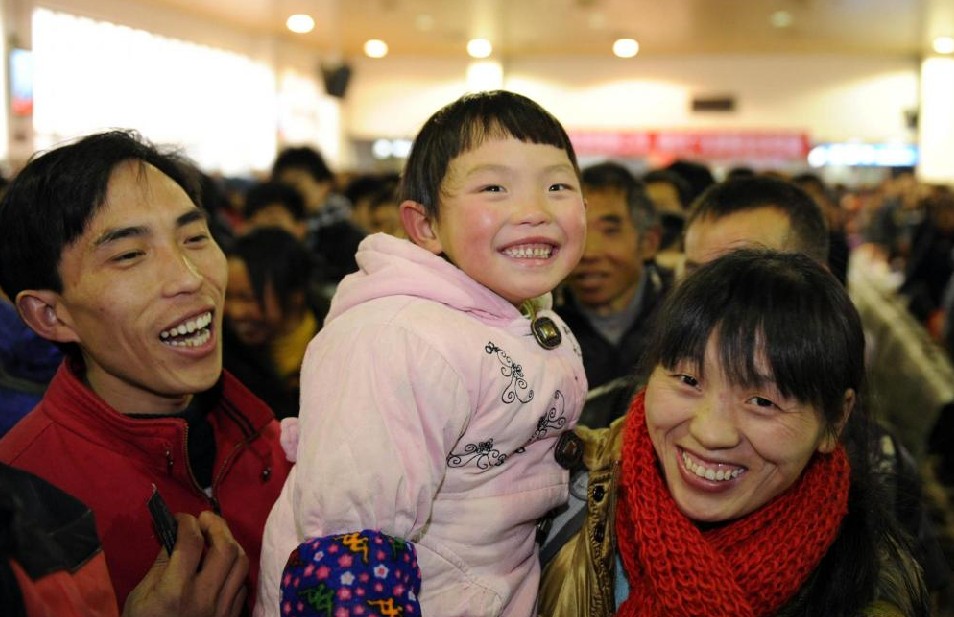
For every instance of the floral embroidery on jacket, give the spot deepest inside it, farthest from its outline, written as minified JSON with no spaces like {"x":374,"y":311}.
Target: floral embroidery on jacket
{"x":483,"y":454}
{"x":512,"y":370}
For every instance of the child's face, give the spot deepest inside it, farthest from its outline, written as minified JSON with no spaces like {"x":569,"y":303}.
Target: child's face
{"x":512,"y":217}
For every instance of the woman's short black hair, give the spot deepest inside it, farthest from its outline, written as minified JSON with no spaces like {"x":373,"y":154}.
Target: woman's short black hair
{"x":276,"y":259}
{"x":785,"y":308}
{"x":463,"y":126}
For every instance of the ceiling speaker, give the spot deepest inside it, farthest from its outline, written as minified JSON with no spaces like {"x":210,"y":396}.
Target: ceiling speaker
{"x":335,"y":78}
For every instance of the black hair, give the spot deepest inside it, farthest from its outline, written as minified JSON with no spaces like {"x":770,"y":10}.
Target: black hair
{"x":275,"y":259}
{"x":784,"y":307}
{"x":668,"y":176}
{"x":264,"y":194}
{"x":50,"y":203}
{"x":302,"y":157}
{"x":809,"y":178}
{"x":386,"y":195}
{"x":809,"y":229}
{"x":697,"y":175}
{"x":741,"y":171}
{"x":366,"y":185}
{"x":464,"y":125}
{"x":608,"y":175}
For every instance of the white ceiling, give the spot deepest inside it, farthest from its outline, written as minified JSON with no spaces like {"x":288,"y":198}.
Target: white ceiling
{"x":528,"y":28}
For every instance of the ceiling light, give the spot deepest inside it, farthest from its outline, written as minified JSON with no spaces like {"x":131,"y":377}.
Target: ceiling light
{"x":479,"y":48}
{"x":944,"y":45}
{"x":625,"y":48}
{"x":375,"y":48}
{"x":300,"y":24}
{"x":781,"y":19}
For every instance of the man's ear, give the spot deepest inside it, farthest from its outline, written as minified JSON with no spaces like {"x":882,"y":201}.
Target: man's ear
{"x":41,"y":310}
{"x":420,"y":229}
{"x":830,"y":440}
{"x":649,"y":243}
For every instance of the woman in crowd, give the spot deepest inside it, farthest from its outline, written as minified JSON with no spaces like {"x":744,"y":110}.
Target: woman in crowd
{"x":271,"y":313}
{"x":737,"y":484}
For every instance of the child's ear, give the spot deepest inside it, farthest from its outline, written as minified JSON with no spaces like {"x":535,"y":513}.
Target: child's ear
{"x":41,"y":310}
{"x":420,"y":229}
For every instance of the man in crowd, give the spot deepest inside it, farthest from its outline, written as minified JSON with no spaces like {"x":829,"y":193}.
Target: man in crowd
{"x":331,"y":237}
{"x":610,"y":297}
{"x":104,"y":250}
{"x":758,"y":212}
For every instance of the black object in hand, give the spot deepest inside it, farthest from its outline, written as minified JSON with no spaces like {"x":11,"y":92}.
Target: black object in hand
{"x":165,"y":523}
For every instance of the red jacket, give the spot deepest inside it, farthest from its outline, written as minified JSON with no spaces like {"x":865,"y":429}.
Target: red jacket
{"x":77,"y":442}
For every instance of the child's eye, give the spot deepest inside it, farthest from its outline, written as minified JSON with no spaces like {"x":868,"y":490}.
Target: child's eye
{"x":492,"y":188}
{"x":561,"y":186}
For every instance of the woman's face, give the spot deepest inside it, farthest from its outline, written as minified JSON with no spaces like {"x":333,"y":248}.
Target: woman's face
{"x":726,"y":450}
{"x":252,"y":323}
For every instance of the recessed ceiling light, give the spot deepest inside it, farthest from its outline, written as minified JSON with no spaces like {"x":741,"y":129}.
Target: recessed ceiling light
{"x":625,"y":48}
{"x":781,"y":19}
{"x":944,"y":45}
{"x":300,"y":24}
{"x":479,"y":48}
{"x":375,"y":48}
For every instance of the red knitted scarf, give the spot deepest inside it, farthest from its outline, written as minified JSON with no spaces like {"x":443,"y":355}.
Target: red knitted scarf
{"x":749,"y":567}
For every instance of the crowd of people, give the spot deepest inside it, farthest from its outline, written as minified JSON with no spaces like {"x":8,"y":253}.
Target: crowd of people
{"x":498,"y":383}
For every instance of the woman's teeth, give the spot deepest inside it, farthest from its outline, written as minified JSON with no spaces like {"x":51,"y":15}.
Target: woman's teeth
{"x":191,"y":333}
{"x":709,"y":474}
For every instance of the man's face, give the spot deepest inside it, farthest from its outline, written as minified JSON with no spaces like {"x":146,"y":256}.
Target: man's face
{"x":143,"y":289}
{"x":608,"y":273}
{"x":708,"y":238}
{"x":665,"y":196}
{"x":313,"y":192}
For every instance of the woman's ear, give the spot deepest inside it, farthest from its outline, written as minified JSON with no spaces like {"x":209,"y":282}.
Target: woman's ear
{"x":419,"y":227}
{"x":41,"y":309}
{"x":830,"y":440}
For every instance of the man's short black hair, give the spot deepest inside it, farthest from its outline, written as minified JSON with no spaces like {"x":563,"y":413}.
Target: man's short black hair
{"x":809,"y":229}
{"x":302,"y":157}
{"x":51,"y":201}
{"x":265,"y":194}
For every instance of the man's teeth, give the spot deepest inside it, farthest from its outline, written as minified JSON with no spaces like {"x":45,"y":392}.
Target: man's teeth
{"x":536,"y":251}
{"x":709,"y":474}
{"x":197,"y":327}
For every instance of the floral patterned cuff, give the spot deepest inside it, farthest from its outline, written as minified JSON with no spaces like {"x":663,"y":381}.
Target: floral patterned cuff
{"x":365,"y":573}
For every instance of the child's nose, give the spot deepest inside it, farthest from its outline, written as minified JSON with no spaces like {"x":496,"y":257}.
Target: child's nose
{"x":534,"y":209}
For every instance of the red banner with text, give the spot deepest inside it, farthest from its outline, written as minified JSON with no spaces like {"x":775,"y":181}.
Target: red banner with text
{"x":694,"y":145}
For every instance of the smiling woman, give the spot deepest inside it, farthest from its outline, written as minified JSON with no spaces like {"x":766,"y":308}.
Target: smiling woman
{"x":743,"y":484}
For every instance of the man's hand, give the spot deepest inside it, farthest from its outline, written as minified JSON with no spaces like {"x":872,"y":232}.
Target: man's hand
{"x":190,"y":584}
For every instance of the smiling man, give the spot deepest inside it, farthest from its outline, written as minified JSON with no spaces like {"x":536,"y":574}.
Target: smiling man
{"x":610,"y":297}
{"x":105,"y":251}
